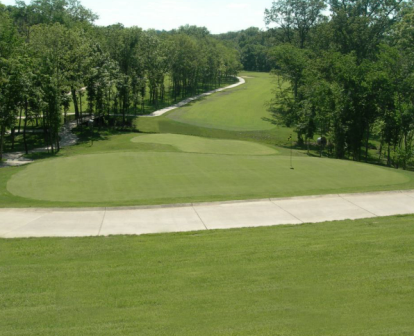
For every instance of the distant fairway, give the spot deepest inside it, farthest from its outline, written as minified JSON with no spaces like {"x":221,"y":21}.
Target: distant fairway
{"x":147,"y":177}
{"x":239,"y":109}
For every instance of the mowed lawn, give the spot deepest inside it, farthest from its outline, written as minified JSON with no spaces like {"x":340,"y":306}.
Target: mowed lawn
{"x":166,"y":169}
{"x":240,"y":109}
{"x":340,"y":278}
{"x":239,"y":114}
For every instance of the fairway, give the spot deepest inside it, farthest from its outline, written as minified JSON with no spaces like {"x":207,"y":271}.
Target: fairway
{"x":239,"y":109}
{"x":343,"y":278}
{"x":171,"y":177}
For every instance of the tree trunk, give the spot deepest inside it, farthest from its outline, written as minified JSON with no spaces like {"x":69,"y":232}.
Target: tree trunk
{"x":380,"y":154}
{"x":13,"y":131}
{"x":26,"y":108}
{"x":75,"y":103}
{"x":45,"y":135}
{"x":20,"y":120}
{"x":2,"y":132}
{"x":389,"y":156}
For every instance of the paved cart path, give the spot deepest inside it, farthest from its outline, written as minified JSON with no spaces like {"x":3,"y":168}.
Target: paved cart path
{"x":23,"y":223}
{"x":189,"y":100}
{"x":67,"y":138}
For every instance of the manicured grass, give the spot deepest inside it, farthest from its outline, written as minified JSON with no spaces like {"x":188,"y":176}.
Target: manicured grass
{"x":234,"y":114}
{"x":191,"y":144}
{"x":239,"y":109}
{"x":276,"y":136}
{"x":136,"y":169}
{"x":160,"y":172}
{"x":339,"y":278}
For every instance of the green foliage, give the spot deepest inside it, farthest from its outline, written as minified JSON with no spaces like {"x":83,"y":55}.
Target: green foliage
{"x":296,"y":18}
{"x":121,"y":69}
{"x":358,"y":77}
{"x":254,"y":46}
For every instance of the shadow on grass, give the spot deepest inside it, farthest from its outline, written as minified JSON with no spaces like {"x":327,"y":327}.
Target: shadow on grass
{"x":101,"y":134}
{"x":40,"y":156}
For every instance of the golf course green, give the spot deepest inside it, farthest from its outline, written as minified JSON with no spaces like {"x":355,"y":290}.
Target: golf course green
{"x":195,"y":169}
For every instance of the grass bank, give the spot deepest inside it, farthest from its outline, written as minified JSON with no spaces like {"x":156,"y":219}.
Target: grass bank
{"x":339,"y":278}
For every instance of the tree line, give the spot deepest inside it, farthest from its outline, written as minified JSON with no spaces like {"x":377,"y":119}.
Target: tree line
{"x":53,"y":56}
{"x":254,"y":47}
{"x":346,"y":72}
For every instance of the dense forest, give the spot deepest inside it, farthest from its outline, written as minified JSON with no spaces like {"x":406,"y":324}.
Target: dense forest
{"x":350,"y":69}
{"x":254,"y":47}
{"x":52,"y":54}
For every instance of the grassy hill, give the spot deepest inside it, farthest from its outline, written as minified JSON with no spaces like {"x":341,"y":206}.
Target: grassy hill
{"x":339,"y":278}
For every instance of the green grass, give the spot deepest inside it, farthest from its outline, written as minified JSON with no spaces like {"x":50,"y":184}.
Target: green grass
{"x":276,"y":136}
{"x":146,"y":172}
{"x":191,"y":144}
{"x":338,"y":278}
{"x":239,"y":109}
{"x":136,"y":169}
{"x":234,"y":114}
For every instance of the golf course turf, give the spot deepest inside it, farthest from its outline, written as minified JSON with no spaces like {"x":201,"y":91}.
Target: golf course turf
{"x":239,"y":109}
{"x":338,"y":278}
{"x":145,"y":168}
{"x":171,"y":176}
{"x":331,"y":279}
{"x":191,"y":144}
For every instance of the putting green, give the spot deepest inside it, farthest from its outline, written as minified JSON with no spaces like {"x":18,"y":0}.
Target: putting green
{"x":151,"y":178}
{"x":239,"y":109}
{"x":193,"y":144}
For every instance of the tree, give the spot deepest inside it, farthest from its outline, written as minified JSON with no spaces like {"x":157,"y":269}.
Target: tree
{"x":49,"y":45}
{"x":360,"y":26}
{"x":9,"y":75}
{"x":296,"y":18}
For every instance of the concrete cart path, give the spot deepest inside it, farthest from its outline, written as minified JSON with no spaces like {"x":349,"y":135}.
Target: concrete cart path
{"x":23,"y":223}
{"x":67,"y":138}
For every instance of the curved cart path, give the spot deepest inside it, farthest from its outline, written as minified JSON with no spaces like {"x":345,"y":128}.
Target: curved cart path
{"x":67,"y":138}
{"x":189,"y":100}
{"x":24,"y":223}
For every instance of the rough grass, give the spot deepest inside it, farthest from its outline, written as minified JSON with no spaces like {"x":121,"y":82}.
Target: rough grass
{"x":339,"y":278}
